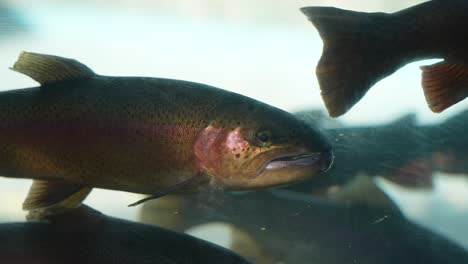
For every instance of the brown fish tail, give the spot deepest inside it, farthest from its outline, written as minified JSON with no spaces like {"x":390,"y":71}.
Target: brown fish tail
{"x":359,"y":49}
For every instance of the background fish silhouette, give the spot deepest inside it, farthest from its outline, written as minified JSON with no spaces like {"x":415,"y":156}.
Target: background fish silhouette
{"x":360,"y":49}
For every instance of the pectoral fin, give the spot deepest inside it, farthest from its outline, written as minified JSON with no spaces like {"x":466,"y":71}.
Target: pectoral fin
{"x":54,"y":196}
{"x":170,"y":189}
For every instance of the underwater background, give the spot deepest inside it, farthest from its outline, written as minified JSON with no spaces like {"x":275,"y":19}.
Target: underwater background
{"x":263,"y":49}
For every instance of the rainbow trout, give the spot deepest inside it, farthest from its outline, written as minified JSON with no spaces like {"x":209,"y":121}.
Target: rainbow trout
{"x":360,"y":49}
{"x":80,"y":130}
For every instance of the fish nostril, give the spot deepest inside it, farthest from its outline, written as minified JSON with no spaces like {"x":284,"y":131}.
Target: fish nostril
{"x":326,"y":160}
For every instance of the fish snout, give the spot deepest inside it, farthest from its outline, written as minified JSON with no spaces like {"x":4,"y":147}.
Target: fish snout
{"x":326,"y":159}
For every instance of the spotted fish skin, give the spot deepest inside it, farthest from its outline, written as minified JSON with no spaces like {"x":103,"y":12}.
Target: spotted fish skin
{"x":144,"y":135}
{"x":82,"y":129}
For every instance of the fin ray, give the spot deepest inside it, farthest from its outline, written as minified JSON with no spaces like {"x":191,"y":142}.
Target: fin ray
{"x":48,"y":69}
{"x":444,"y":84}
{"x":169,"y":190}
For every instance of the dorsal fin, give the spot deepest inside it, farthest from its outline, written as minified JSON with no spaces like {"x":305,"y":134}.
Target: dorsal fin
{"x":49,"y":69}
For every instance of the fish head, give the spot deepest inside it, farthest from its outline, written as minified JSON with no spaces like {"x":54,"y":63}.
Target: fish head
{"x":253,"y":145}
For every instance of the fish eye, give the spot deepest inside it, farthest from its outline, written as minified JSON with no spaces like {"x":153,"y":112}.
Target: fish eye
{"x":264,"y":138}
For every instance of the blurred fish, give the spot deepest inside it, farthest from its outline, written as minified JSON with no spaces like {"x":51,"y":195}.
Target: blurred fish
{"x":291,"y":227}
{"x":84,"y":235}
{"x":360,"y":49}
{"x":398,"y":151}
{"x":401,"y":151}
{"x":80,"y":130}
{"x":450,"y":144}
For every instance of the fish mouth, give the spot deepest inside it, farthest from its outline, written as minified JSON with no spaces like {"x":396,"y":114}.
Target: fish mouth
{"x":293,"y":160}
{"x":302,"y":160}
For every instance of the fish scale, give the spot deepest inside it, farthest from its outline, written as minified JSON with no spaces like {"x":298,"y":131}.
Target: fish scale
{"x":144,"y":135}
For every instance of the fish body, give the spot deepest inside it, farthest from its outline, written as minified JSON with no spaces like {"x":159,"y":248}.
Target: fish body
{"x":84,"y":235}
{"x":362,"y":48}
{"x":79,"y":130}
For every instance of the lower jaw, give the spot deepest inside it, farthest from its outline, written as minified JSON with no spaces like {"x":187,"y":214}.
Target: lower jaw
{"x":278,"y":177}
{"x":301,"y":161}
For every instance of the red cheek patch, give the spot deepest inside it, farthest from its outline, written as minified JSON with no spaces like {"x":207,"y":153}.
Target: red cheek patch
{"x":214,"y":145}
{"x":235,"y":141}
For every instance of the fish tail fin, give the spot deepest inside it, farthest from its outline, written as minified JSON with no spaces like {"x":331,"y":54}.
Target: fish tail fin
{"x":359,"y":49}
{"x":445,"y":84}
